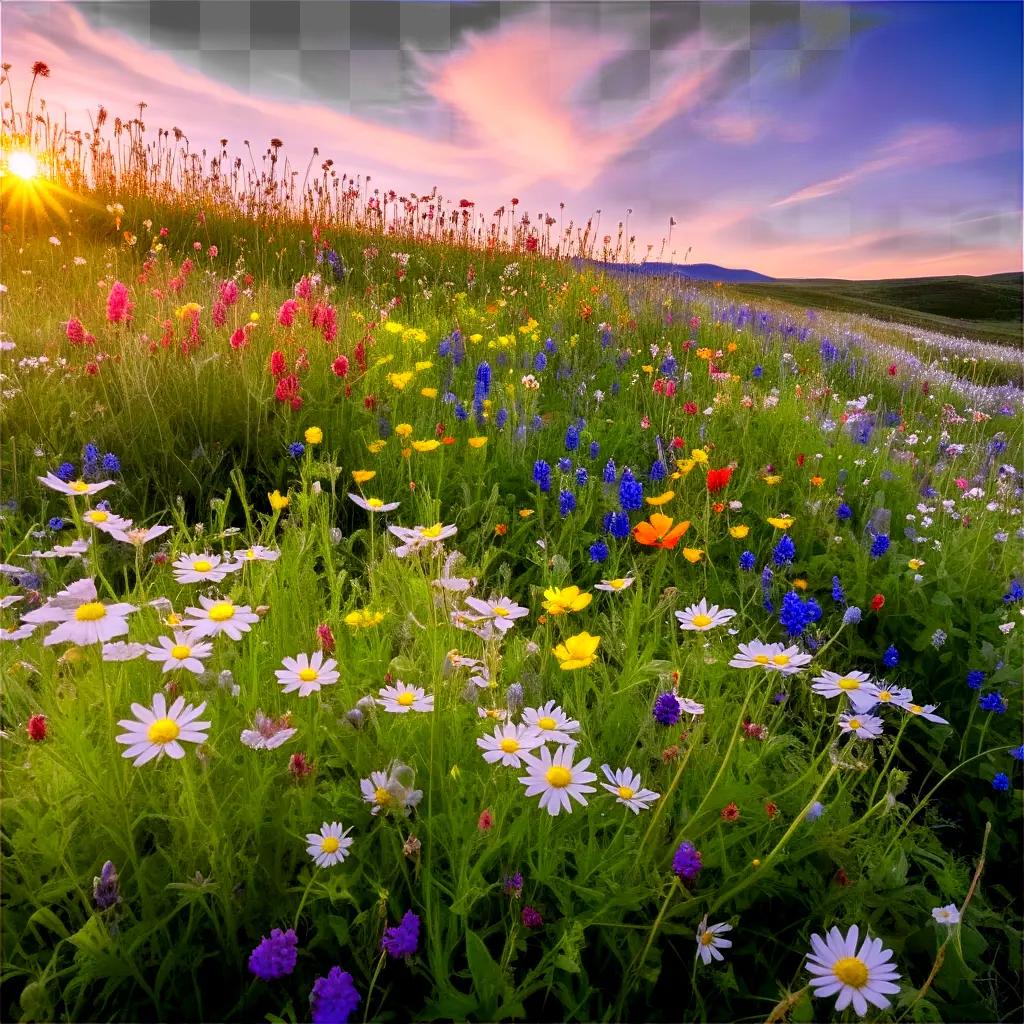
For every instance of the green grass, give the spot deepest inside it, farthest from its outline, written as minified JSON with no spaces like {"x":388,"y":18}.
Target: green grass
{"x":211,"y":849}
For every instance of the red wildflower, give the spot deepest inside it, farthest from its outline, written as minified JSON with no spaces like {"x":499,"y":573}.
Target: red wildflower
{"x":278,"y":363}
{"x":340,"y":366}
{"x":36,"y":728}
{"x":771,"y":808}
{"x":842,"y":878}
{"x":878,"y":602}
{"x":486,"y":822}
{"x":287,"y":390}
{"x":286,"y":314}
{"x":75,"y":331}
{"x":800,"y":459}
{"x":893,"y":369}
{"x":730,"y":812}
{"x":325,"y":638}
{"x":119,"y":307}
{"x":299,"y":766}
{"x":718,"y":478}
{"x":690,"y":408}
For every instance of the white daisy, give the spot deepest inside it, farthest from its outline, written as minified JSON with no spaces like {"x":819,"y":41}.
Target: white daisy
{"x":17,"y":632}
{"x":925,"y":711}
{"x":551,"y":723}
{"x":105,"y":521}
{"x":771,"y":657}
{"x":509,"y":744}
{"x":161,"y":730}
{"x":835,"y":684}
{"x":139,"y":535}
{"x":614,"y":586}
{"x":556,"y":779}
{"x":419,"y":537}
{"x":76,"y":487}
{"x":401,"y":698}
{"x":217,"y":617}
{"x":948,"y":915}
{"x":257,"y":553}
{"x":268,"y":733}
{"x":374,"y":504}
{"x":501,"y":611}
{"x":181,"y":652}
{"x":624,"y":784}
{"x":859,"y":977}
{"x":701,"y":618}
{"x":880,"y":693}
{"x":119,"y":650}
{"x":710,"y":941}
{"x":82,"y":618}
{"x":864,"y":727}
{"x":76,"y":549}
{"x":691,"y":707}
{"x":307,"y":673}
{"x":6,"y":602}
{"x":330,"y":845}
{"x":391,"y":790}
{"x":204,"y":568}
{"x":495,"y":714}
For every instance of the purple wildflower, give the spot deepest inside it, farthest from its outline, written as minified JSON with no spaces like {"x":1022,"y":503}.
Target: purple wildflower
{"x":404,"y":938}
{"x":334,"y":998}
{"x":275,"y":956}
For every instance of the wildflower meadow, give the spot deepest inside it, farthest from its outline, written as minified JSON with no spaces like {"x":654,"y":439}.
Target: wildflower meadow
{"x":402,"y":622}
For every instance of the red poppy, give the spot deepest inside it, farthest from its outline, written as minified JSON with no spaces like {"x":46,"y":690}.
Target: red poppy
{"x":718,"y":478}
{"x":877,"y":602}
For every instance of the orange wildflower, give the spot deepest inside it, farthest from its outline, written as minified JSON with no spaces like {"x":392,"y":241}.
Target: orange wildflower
{"x":658,"y":531}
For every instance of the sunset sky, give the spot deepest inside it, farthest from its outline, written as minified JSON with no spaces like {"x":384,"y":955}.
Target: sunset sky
{"x":801,"y":140}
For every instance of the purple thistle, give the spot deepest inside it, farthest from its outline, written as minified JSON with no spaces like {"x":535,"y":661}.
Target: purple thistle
{"x":404,"y":938}
{"x":334,"y":998}
{"x":686,"y":862}
{"x":666,"y":709}
{"x":275,"y":956}
{"x":532,"y":918}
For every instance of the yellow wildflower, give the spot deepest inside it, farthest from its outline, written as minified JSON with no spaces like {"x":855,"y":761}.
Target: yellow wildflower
{"x":693,"y":555}
{"x":739,"y":531}
{"x":577,"y":651}
{"x":661,"y":499}
{"x":426,"y":446}
{"x":363,"y":476}
{"x":783,"y":522}
{"x":477,"y":442}
{"x":561,"y":601}
{"x":277,"y":501}
{"x":313,"y":435}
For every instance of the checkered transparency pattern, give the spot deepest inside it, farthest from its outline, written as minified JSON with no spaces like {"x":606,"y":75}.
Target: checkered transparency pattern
{"x":364,"y":56}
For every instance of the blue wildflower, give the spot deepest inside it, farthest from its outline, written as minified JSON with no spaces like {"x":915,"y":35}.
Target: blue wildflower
{"x":111,"y":464}
{"x":851,"y":616}
{"x":939,"y":639}
{"x":879,"y":545}
{"x":891,"y":658}
{"x":275,"y":956}
{"x":460,"y":412}
{"x":610,"y":472}
{"x":598,"y":552}
{"x":536,"y":423}
{"x":550,"y":347}
{"x":56,"y":524}
{"x":482,"y":387}
{"x":512,"y":885}
{"x":975,"y":678}
{"x":837,"y":591}
{"x":566,"y":503}
{"x":404,"y":938}
{"x":572,"y":438}
{"x":815,"y":811}
{"x":501,"y":418}
{"x":617,"y":524}
{"x":757,"y":373}
{"x":296,"y":449}
{"x":106,"y":891}
{"x":844,"y":512}
{"x":1000,"y":782}
{"x":658,"y":471}
{"x":334,"y":998}
{"x":748,"y":562}
{"x":542,"y":475}
{"x":994,"y":702}
{"x":666,"y":709}
{"x":595,"y":449}
{"x":1017,"y":753}
{"x":66,"y":472}
{"x":785,"y":551}
{"x":1014,"y":594}
{"x":686,"y":862}
{"x":582,"y":476}
{"x":669,"y":365}
{"x":631,"y":492}
{"x":540,"y":362}
{"x":796,"y":614}
{"x":564,"y":465}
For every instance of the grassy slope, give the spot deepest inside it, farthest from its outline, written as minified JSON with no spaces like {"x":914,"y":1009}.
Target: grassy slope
{"x":986,"y":308}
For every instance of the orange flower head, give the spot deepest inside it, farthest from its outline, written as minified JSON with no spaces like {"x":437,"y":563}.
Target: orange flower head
{"x":658,"y":531}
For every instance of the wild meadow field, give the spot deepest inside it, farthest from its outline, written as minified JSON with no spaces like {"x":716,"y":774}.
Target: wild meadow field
{"x":399,"y":624}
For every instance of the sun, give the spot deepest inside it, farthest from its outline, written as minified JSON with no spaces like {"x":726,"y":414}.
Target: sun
{"x":23,"y":165}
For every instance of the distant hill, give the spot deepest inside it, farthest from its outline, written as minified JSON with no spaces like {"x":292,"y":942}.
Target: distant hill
{"x":988,"y":308}
{"x":691,"y":271}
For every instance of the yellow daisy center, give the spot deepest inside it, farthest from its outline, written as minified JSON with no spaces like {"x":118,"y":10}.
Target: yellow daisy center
{"x":330,"y":844}
{"x":90,"y":611}
{"x":406,"y":698}
{"x":854,"y":723}
{"x":848,"y":684}
{"x":915,"y":709}
{"x":80,"y":486}
{"x":780,"y":659}
{"x":381,"y":796}
{"x":500,"y":611}
{"x":617,"y":584}
{"x":545,"y":723}
{"x":180,"y":651}
{"x":851,"y":970}
{"x":307,"y":675}
{"x":701,"y":620}
{"x":221,"y":611}
{"x":432,"y":531}
{"x":97,"y":516}
{"x":626,"y":793}
{"x":202,"y":565}
{"x":558,"y":776}
{"x":374,"y":502}
{"x":761,"y":659}
{"x":509,"y":745}
{"x":884,"y":696}
{"x":163,"y":730}
{"x":707,"y":938}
